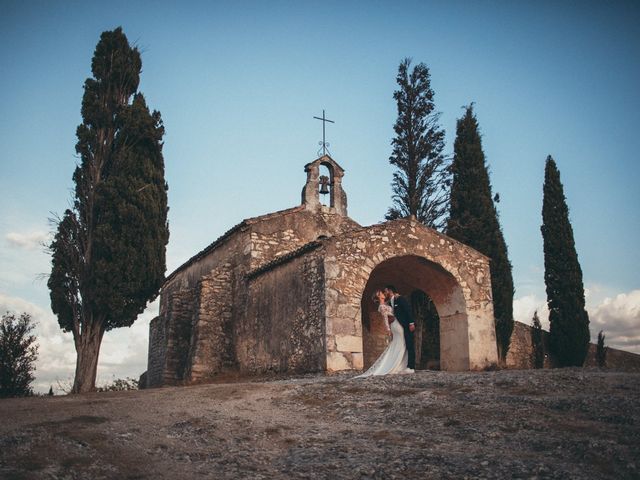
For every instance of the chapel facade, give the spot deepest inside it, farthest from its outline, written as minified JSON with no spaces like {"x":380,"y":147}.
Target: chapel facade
{"x":290,"y":291}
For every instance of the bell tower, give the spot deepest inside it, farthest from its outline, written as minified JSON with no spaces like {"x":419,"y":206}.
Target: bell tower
{"x":327,"y":185}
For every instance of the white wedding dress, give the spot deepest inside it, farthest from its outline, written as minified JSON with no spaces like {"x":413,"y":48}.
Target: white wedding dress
{"x":394,"y":359}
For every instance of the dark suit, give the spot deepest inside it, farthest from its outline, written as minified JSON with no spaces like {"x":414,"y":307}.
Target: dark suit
{"x":402,"y":311}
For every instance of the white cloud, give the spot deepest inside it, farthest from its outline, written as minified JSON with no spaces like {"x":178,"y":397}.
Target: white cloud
{"x":619,"y":318}
{"x":56,"y":353}
{"x":23,"y":261}
{"x":123,"y":352}
{"x":18,"y":305}
{"x":524,"y":308}
{"x":29,"y":241}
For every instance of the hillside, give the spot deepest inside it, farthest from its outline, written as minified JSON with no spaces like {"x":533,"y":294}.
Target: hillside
{"x":564,"y":423}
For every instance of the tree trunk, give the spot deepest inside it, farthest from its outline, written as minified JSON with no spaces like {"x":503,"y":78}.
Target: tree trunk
{"x":502,"y":358}
{"x":88,"y":350}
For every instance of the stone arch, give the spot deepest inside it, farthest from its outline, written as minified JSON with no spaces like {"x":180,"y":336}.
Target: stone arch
{"x":454,"y":275}
{"x":409,"y":273}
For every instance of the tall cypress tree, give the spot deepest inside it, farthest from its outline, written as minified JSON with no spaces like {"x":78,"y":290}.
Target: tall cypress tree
{"x":473,"y":220}
{"x":420,"y":183}
{"x":536,"y":342}
{"x":108,"y":254}
{"x":601,"y":351}
{"x":568,"y":319}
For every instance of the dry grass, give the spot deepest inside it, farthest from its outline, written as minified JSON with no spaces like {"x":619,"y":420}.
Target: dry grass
{"x":402,"y":392}
{"x":389,"y":437}
{"x":316,"y":399}
{"x":452,"y":390}
{"x":572,"y":421}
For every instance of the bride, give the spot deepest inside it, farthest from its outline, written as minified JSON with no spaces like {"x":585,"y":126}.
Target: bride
{"x":394,"y":358}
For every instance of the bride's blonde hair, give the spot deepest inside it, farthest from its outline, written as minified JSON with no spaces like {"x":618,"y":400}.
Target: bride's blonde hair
{"x":374,"y":297}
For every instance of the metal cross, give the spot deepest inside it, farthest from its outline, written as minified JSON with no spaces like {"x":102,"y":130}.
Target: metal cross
{"x":324,"y":121}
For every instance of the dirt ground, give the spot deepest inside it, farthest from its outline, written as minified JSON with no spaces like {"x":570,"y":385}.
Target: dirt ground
{"x":564,"y":424}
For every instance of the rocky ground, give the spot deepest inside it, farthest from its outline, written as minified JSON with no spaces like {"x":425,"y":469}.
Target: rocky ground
{"x":564,"y":423}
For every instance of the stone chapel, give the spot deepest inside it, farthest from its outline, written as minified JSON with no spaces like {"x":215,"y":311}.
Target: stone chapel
{"x":290,"y":291}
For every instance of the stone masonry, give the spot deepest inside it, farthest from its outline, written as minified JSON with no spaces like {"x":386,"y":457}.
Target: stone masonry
{"x":410,"y":256}
{"x":290,"y":292}
{"x":520,"y":354}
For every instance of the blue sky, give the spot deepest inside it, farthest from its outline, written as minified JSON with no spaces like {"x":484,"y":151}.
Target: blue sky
{"x":238,"y":84}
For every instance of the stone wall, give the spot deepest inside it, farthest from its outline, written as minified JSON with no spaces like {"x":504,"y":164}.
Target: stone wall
{"x":282,"y":327}
{"x":266,"y":247}
{"x":255,"y":299}
{"x":211,"y":345}
{"x":179,"y":327}
{"x":208,"y":287}
{"x":617,"y":359}
{"x":157,"y":353}
{"x":170,"y":337}
{"x":180,"y":305}
{"x":520,"y":354}
{"x":233,"y":247}
{"x":280,"y":234}
{"x":411,"y":256}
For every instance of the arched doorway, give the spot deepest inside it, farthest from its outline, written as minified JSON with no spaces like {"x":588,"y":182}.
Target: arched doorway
{"x":325,"y":182}
{"x":434,"y":293}
{"x":427,"y":333}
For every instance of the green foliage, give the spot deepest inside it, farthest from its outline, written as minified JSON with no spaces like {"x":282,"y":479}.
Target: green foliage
{"x":536,"y":340}
{"x":119,"y":385}
{"x":108,"y":254}
{"x":18,"y":354}
{"x":473,"y":220}
{"x":568,"y":319}
{"x":601,"y":351}
{"x":420,"y":183}
{"x":131,"y":211}
{"x":64,"y":280}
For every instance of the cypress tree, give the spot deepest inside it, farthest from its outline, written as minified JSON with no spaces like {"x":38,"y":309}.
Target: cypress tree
{"x":473,"y":220}
{"x":568,"y":319}
{"x":601,"y":350}
{"x":18,"y":355}
{"x":536,"y":340}
{"x":108,"y":254}
{"x":420,"y":183}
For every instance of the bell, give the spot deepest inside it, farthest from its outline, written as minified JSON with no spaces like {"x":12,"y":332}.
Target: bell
{"x":324,"y":184}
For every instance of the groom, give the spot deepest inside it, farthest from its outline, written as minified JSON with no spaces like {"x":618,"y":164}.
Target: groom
{"x":402,"y":311}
